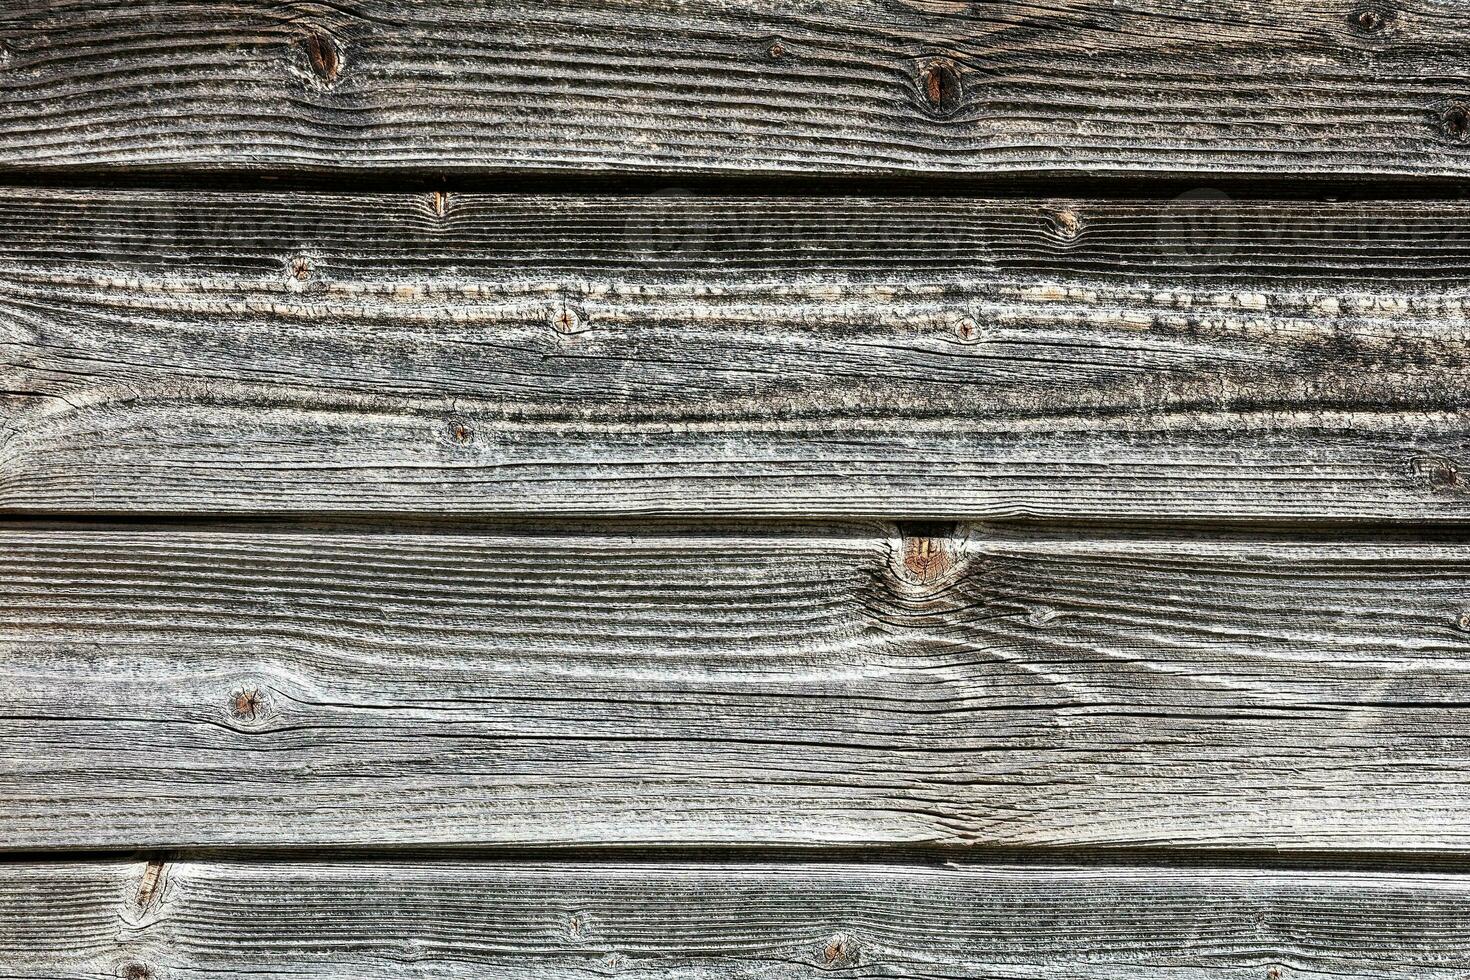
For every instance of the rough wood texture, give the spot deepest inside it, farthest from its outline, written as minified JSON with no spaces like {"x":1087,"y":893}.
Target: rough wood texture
{"x":743,"y":86}
{"x":594,"y":356}
{"x":809,"y":686}
{"x":457,"y":919}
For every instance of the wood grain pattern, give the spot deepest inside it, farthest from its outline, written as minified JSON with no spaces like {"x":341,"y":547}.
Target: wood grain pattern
{"x":737,"y":86}
{"x":458,"y":918}
{"x":811,"y":686}
{"x":1195,"y":360}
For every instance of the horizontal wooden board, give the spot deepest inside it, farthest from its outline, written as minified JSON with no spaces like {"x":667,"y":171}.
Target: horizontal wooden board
{"x":871,"y":87}
{"x":457,"y":919}
{"x":270,"y":353}
{"x":799,"y":686}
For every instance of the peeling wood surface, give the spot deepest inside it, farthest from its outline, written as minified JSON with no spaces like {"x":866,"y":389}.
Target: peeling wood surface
{"x":442,"y":353}
{"x":454,"y":918}
{"x":173,"y":687}
{"x":870,"y":87}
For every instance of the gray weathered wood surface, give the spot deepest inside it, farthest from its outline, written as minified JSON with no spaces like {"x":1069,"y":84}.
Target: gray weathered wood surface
{"x":737,"y":86}
{"x":229,"y":353}
{"x":176,"y":687}
{"x":460,"y":919}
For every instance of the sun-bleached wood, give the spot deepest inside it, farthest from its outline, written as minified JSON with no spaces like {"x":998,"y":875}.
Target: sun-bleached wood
{"x":177,"y":686}
{"x":456,"y":918}
{"x":743,"y":87}
{"x":597,"y":356}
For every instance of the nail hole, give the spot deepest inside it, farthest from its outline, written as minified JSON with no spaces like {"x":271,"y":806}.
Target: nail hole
{"x":943,"y":92}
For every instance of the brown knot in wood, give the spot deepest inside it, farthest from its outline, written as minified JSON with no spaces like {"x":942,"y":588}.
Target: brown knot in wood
{"x":929,"y":552}
{"x":247,"y":704}
{"x":1371,"y":20}
{"x":941,"y":87}
{"x":323,"y":54}
{"x":840,"y":951}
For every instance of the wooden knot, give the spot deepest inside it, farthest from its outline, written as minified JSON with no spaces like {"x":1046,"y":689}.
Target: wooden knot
{"x":929,"y":552}
{"x":1454,"y":121}
{"x":323,"y":55}
{"x":940,"y":84}
{"x":439,"y":203}
{"x":461,"y":432}
{"x":967,"y":329}
{"x":247,"y":704}
{"x":568,"y":320}
{"x":840,"y":951}
{"x":1439,"y":472}
{"x":1064,"y":225}
{"x":776,"y":50}
{"x":299,"y":268}
{"x":152,"y":884}
{"x":137,"y":971}
{"x":1372,"y":20}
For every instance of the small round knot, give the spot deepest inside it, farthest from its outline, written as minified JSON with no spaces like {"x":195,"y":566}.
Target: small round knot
{"x":1063,"y":225}
{"x":299,"y":268}
{"x":568,"y":320}
{"x":1371,"y":20}
{"x":460,"y":432}
{"x":1463,"y":621}
{"x":776,"y":50}
{"x":840,"y":951}
{"x":967,"y":330}
{"x":136,"y":971}
{"x":247,"y":703}
{"x":941,"y":87}
{"x":1454,"y":121}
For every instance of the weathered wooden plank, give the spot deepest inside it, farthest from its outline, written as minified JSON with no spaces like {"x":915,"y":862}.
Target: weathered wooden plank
{"x":745,"y":86}
{"x":597,"y":355}
{"x":458,"y":918}
{"x":800,"y":686}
